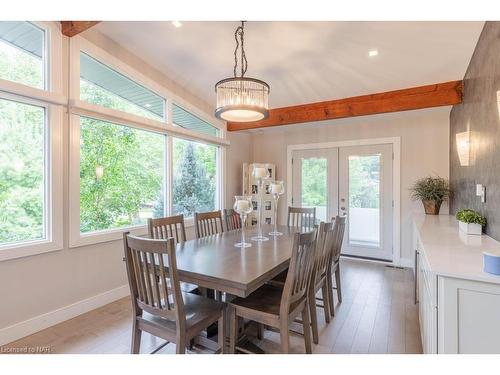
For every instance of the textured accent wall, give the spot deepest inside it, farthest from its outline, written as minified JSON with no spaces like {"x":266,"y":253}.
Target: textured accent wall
{"x":478,"y":120}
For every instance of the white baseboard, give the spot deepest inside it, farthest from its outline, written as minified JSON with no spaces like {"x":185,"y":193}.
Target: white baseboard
{"x":30,"y":326}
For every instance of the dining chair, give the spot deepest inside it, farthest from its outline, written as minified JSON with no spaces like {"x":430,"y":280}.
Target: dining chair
{"x":208,"y":223}
{"x":301,"y":217}
{"x":232,"y":219}
{"x":277,"y":307}
{"x":159,"y":306}
{"x":334,"y":267}
{"x":319,"y":279}
{"x":166,"y":227}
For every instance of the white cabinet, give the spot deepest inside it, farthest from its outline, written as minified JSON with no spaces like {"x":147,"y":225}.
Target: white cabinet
{"x":459,"y":304}
{"x":427,"y":309}
{"x":469,"y":316}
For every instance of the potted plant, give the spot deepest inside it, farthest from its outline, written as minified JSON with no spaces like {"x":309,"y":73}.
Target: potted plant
{"x":432,"y":191}
{"x":470,"y":221}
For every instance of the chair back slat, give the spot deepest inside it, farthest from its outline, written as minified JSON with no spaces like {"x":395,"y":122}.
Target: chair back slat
{"x":208,"y":223}
{"x":232,"y":218}
{"x":302,"y":217}
{"x":166,"y":227}
{"x":153,"y":287}
{"x":340,"y":222}
{"x":325,"y":240}
{"x":300,"y":269}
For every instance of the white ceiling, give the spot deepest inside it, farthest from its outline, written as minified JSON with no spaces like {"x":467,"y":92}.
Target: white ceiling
{"x":304,"y":61}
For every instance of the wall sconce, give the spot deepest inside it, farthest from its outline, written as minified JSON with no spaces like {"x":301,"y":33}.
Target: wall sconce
{"x":463,"y":148}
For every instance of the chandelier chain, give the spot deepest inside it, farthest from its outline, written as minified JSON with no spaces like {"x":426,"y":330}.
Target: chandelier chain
{"x":239,"y":37}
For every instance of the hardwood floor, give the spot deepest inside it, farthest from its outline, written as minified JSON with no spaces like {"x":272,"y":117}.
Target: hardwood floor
{"x":377,"y":315}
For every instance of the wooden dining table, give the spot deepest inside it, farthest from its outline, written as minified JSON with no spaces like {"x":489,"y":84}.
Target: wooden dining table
{"x":214,"y":262}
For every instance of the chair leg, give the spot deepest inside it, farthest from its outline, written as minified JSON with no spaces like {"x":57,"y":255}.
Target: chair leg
{"x":307,"y":329}
{"x":180,"y":345}
{"x":326,"y":301}
{"x":337,"y":282}
{"x":329,"y":284}
{"x":136,"y":339}
{"x":233,"y":330}
{"x":221,"y":334}
{"x":314,"y":317}
{"x":260,"y":331}
{"x":284,"y":338}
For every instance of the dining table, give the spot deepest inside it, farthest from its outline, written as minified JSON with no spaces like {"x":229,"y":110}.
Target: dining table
{"x":214,"y":262}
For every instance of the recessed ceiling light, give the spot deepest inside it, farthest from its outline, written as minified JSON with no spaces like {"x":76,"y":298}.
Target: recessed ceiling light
{"x":147,"y":105}
{"x":373,"y":53}
{"x":176,"y":24}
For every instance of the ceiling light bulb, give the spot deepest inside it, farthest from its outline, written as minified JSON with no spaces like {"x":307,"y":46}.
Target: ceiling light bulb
{"x":373,"y":53}
{"x":147,"y":105}
{"x":177,"y":24}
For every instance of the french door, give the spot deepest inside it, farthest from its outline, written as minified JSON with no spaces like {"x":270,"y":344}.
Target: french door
{"x":355,"y":182}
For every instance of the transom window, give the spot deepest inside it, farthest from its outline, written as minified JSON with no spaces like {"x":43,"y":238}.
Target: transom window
{"x":101,"y":85}
{"x":187,"y":120}
{"x":22,"y":53}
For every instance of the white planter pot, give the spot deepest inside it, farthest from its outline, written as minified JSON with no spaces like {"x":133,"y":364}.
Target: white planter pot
{"x":468,"y":228}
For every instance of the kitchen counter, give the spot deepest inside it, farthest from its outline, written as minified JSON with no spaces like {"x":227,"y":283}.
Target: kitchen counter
{"x":452,"y":253}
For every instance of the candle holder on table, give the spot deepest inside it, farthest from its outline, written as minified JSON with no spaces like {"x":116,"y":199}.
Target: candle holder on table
{"x":277,"y":189}
{"x":243,"y":206}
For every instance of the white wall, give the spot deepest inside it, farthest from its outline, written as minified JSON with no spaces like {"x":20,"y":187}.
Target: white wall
{"x":38,"y":291}
{"x":424,"y":149}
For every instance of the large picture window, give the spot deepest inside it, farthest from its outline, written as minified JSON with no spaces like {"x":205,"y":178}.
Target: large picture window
{"x":22,"y":53}
{"x":194,"y":177}
{"x":22,"y":172}
{"x":121,"y":175}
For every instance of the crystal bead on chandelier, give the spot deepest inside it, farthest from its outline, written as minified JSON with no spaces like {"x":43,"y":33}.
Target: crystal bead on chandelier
{"x":241,"y":99}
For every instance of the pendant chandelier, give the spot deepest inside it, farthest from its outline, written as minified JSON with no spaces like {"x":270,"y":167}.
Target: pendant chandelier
{"x":241,"y":99}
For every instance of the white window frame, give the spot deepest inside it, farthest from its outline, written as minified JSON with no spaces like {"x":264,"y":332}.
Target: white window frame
{"x":79,"y":108}
{"x":52,"y":100}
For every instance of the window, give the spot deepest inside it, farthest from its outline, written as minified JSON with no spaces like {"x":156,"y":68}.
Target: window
{"x":22,"y":53}
{"x":187,"y":120}
{"x":22,"y":172}
{"x":194,"y":177}
{"x":121,"y":175}
{"x":104,"y":86}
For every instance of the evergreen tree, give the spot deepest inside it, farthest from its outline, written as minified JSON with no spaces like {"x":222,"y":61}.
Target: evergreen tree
{"x":192,"y":188}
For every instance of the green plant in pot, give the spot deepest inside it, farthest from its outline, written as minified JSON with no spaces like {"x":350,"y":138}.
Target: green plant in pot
{"x":432,"y":191}
{"x":470,"y":221}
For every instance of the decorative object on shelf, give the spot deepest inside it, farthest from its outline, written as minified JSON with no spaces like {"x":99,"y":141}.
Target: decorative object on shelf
{"x":243,"y":206}
{"x":261,"y":174}
{"x":251,"y":187}
{"x":241,"y":99}
{"x":491,"y":263}
{"x":277,"y":189}
{"x":432,"y":191}
{"x":470,"y":221}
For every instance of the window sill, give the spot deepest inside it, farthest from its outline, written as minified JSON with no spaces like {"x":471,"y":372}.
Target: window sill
{"x":27,"y":249}
{"x":91,"y":238}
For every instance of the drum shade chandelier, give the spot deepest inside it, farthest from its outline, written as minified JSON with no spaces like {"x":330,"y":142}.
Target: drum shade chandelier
{"x":241,"y":99}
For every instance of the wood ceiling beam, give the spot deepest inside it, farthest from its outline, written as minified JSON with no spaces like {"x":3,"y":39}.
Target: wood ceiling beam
{"x":440,"y":94}
{"x":72,"y":28}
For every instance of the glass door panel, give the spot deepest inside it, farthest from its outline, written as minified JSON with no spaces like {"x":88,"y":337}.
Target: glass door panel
{"x":364,"y":200}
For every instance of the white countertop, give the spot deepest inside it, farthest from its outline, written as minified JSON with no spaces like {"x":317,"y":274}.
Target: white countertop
{"x":451,"y":252}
